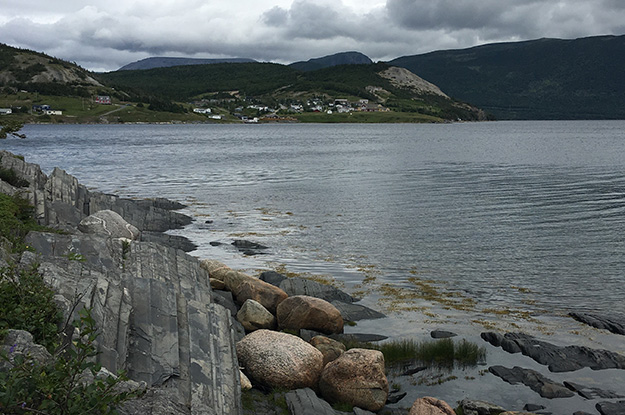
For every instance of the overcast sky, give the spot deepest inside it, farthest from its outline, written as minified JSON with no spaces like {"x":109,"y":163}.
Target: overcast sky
{"x":104,"y":35}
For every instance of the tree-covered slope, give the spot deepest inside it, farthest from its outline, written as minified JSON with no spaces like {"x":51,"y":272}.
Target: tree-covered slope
{"x":540,"y":79}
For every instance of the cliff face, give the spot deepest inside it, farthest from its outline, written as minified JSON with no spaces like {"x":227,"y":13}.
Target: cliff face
{"x":152,"y":303}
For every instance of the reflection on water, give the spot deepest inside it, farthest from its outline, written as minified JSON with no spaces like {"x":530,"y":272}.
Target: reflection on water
{"x":498,"y":226}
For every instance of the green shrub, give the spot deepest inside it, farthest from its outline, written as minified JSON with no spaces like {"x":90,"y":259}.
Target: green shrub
{"x":27,"y":303}
{"x":9,"y":176}
{"x":58,"y":385}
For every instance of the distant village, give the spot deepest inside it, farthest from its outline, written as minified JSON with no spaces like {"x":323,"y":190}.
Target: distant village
{"x":247,"y":110}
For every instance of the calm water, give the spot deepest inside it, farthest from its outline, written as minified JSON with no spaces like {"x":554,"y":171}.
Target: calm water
{"x":509,"y":215}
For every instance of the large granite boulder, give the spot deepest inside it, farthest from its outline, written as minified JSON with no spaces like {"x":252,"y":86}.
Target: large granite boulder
{"x":266,"y":294}
{"x":108,"y":224}
{"x":253,"y":316}
{"x":431,"y":406}
{"x":279,"y":360}
{"x":330,"y":348}
{"x":356,"y":377}
{"x":305,"y":312}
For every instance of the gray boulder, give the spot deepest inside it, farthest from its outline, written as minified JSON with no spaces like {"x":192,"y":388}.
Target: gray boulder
{"x":305,"y":402}
{"x":20,"y":343}
{"x":253,"y":316}
{"x":611,"y":408}
{"x":108,"y":224}
{"x":356,"y":312}
{"x":303,"y":286}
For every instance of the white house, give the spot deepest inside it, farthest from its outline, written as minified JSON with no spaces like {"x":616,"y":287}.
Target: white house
{"x":202,"y":110}
{"x":6,"y":111}
{"x":54,"y":112}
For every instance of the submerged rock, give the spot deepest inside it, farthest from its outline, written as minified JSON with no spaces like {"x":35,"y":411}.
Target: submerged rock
{"x":611,"y":408}
{"x":615,"y":324}
{"x":558,"y":359}
{"x":534,"y":380}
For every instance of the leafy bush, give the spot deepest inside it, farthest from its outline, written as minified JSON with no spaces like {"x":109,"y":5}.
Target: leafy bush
{"x":16,"y":220}
{"x":27,"y":303}
{"x":62,"y":385}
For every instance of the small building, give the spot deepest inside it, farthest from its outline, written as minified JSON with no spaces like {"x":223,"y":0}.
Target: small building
{"x":6,"y":111}
{"x":202,"y":110}
{"x":54,"y":112}
{"x":41,"y":108}
{"x":103,"y":99}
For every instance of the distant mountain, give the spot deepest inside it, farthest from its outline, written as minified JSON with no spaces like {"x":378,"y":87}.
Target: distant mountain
{"x":344,"y":58}
{"x":539,"y":79}
{"x":165,"y":62}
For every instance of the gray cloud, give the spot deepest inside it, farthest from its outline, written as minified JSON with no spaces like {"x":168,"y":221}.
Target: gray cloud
{"x":101,"y":34}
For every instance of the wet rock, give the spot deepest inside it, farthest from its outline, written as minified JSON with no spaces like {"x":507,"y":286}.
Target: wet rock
{"x":395,"y":397}
{"x":306,"y":402}
{"x":532,"y":407}
{"x":358,"y":337}
{"x":534,"y":380}
{"x":108,"y":224}
{"x":356,"y":377}
{"x":303,"y":286}
{"x":279,"y":360}
{"x":412,"y":371}
{"x":173,"y":241}
{"x":272,"y":277}
{"x":356,"y":312}
{"x":331,"y":349}
{"x":473,"y":407}
{"x":442,"y":334}
{"x":305,"y":312}
{"x":254,"y":316}
{"x":591,"y":393}
{"x":248,"y":247}
{"x":558,"y":359}
{"x":224,"y":299}
{"x":615,"y":324}
{"x":431,"y":406}
{"x":611,"y":408}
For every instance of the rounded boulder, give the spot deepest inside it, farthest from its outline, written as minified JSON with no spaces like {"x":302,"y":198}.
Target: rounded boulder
{"x":279,"y":360}
{"x":305,"y":312}
{"x":357,"y":378}
{"x":253,"y":316}
{"x":108,"y":223}
{"x":431,"y":406}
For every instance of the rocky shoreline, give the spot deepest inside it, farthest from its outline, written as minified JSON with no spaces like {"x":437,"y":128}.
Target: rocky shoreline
{"x":183,"y":328}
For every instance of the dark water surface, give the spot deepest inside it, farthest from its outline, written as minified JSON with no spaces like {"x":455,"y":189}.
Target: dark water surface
{"x":504,"y":215}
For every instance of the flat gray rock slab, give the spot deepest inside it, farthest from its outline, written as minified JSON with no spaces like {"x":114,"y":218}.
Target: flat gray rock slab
{"x":306,"y":402}
{"x":356,"y":312}
{"x":545,"y":387}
